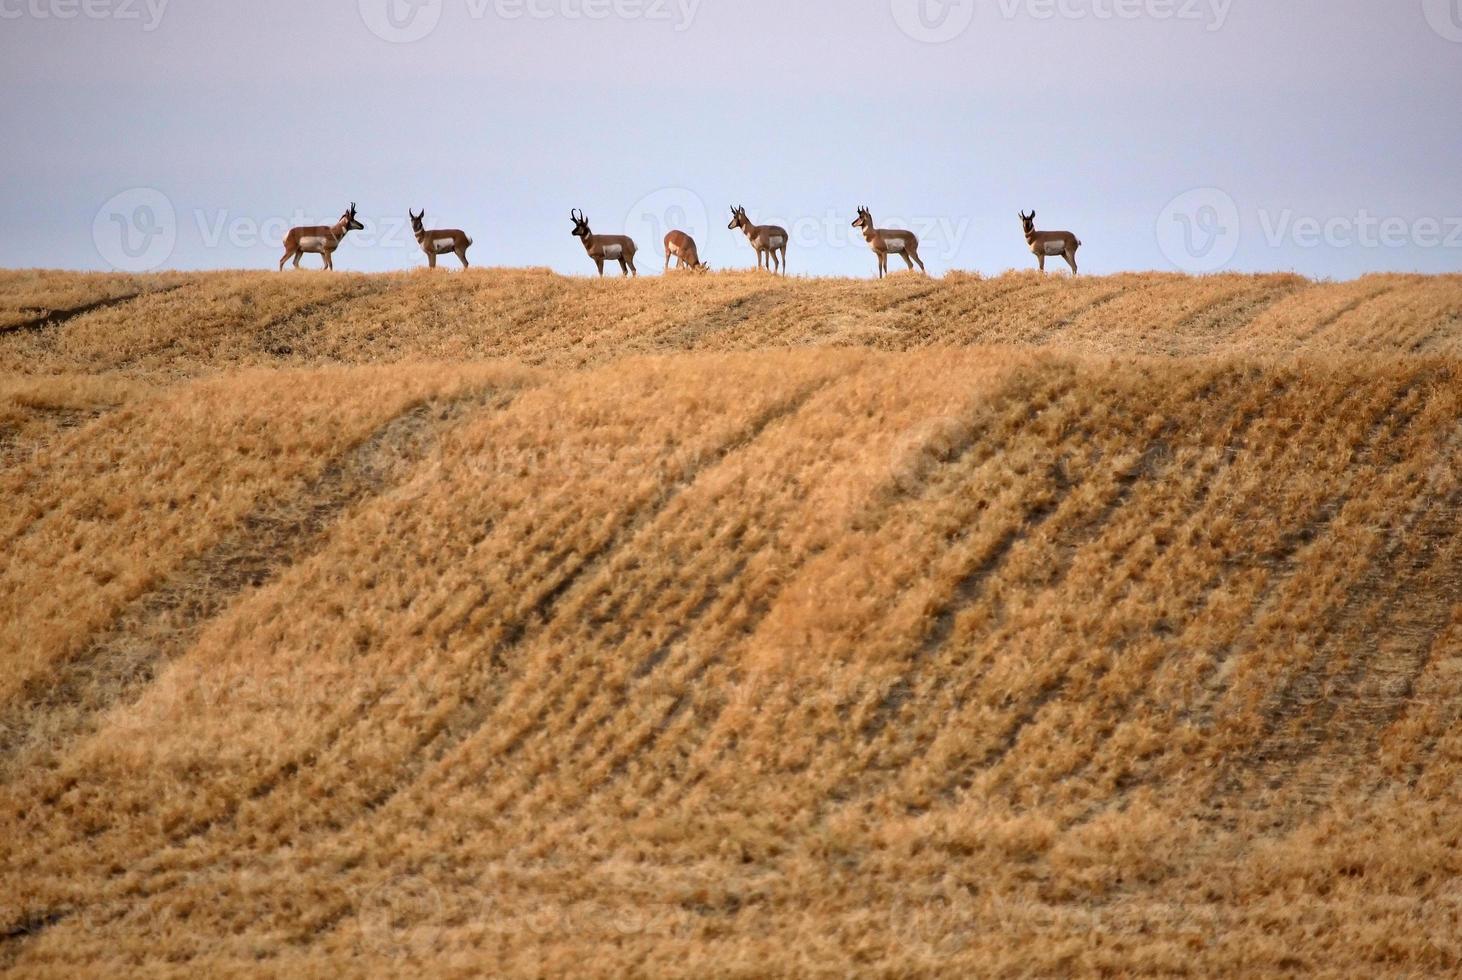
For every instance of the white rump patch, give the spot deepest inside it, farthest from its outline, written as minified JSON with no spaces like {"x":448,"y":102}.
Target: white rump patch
{"x":613,"y":251}
{"x":445,"y":245}
{"x":893,"y":244}
{"x":312,"y":244}
{"x":776,"y":241}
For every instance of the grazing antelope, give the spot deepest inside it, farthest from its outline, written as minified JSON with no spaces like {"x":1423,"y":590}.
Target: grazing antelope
{"x":1044,"y":243}
{"x":601,"y":247}
{"x":682,"y":246}
{"x":768,"y":240}
{"x":886,"y":241}
{"x":435,"y":243}
{"x":319,"y":239}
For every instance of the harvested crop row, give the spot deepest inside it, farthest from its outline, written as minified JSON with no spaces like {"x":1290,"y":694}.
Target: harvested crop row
{"x":942,"y":659}
{"x":226,"y":321}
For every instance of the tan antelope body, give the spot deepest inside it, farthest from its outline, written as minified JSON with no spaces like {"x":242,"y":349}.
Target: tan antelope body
{"x":1049,"y":243}
{"x":768,"y":240}
{"x":320,"y":240}
{"x":682,"y":247}
{"x":447,"y":241}
{"x":620,"y":248}
{"x":889,"y":241}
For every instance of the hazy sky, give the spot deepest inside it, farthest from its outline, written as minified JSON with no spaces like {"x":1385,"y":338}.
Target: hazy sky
{"x":1315,"y":135}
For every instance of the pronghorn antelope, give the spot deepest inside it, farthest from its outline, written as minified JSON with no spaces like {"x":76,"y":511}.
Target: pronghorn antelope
{"x":319,"y":239}
{"x":768,"y":240}
{"x":601,"y":247}
{"x":1045,"y":243}
{"x":444,"y":242}
{"x":682,"y":246}
{"x":886,"y":241}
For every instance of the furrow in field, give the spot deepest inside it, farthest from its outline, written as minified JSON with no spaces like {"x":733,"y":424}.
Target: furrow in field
{"x":155,"y":627}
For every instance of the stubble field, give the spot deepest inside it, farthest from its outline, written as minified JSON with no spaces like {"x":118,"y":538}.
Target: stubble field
{"x":500,"y":622}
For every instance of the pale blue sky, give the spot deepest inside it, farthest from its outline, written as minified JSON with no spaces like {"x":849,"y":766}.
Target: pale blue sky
{"x":1324,"y":133}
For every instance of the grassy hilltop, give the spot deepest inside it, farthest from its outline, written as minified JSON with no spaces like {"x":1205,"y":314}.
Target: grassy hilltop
{"x":718,"y":624}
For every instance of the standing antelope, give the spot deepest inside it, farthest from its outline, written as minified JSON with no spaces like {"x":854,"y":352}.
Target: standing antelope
{"x":319,"y":239}
{"x":1044,"y":243}
{"x":435,"y":243}
{"x":601,"y":247}
{"x":886,"y":241}
{"x":682,"y":246}
{"x":768,"y":240}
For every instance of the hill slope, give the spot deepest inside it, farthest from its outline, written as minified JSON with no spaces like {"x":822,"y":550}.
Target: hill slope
{"x":966,"y":626}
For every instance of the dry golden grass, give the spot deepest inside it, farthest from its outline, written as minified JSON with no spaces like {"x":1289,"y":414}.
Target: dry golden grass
{"x":719,"y":625}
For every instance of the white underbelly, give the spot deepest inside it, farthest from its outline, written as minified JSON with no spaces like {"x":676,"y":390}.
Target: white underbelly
{"x":313,"y":244}
{"x":1055,"y":248}
{"x":444,"y":245}
{"x":613,"y":251}
{"x":894,"y":245}
{"x":776,"y":241}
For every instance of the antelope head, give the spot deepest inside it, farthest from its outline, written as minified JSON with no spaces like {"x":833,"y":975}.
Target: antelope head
{"x":738,"y":218}
{"x":1028,"y":221}
{"x":864,"y":219}
{"x":417,"y":220}
{"x":581,"y":224}
{"x":348,"y":220}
